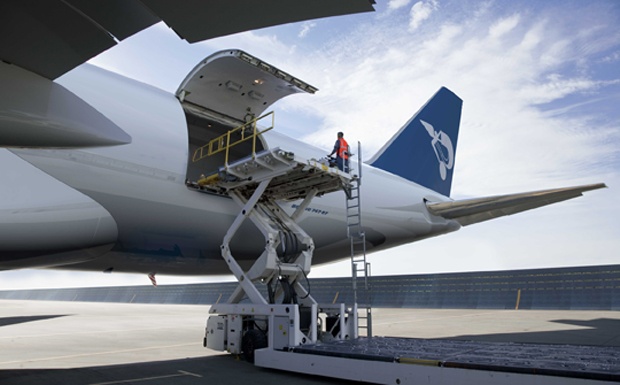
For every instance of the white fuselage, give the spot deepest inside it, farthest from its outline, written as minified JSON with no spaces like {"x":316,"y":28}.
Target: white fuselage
{"x":163,"y":226}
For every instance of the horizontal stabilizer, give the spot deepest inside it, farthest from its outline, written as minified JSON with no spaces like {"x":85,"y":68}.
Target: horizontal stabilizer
{"x":470,"y":211}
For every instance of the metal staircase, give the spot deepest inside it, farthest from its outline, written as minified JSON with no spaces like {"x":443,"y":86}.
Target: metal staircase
{"x":360,"y":267}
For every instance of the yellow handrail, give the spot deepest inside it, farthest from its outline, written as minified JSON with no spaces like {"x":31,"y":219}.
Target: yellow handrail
{"x":249,"y":130}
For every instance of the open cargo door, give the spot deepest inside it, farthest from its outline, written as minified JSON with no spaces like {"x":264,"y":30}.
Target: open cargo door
{"x":224,"y":91}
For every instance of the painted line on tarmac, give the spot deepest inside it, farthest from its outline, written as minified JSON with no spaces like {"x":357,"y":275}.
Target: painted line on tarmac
{"x":182,"y":373}
{"x":97,"y":353}
{"x":434,"y":318}
{"x":86,"y":332}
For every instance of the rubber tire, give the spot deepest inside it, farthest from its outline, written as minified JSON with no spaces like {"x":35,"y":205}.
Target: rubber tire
{"x":252,"y":340}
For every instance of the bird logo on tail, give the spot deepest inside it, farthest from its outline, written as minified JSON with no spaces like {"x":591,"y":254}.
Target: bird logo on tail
{"x":444,"y":150}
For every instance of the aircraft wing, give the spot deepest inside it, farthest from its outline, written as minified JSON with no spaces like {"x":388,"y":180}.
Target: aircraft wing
{"x":470,"y":211}
{"x":52,"y":37}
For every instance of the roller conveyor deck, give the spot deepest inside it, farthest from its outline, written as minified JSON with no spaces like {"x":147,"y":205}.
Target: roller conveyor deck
{"x":586,"y":362}
{"x":393,"y":360}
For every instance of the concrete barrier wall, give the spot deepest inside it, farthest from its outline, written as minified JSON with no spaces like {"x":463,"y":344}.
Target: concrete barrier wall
{"x":575,"y":288}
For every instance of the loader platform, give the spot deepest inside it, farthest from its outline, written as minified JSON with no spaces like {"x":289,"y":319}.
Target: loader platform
{"x":392,"y":360}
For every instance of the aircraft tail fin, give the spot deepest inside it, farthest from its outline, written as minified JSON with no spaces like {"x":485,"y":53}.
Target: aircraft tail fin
{"x":423,"y":150}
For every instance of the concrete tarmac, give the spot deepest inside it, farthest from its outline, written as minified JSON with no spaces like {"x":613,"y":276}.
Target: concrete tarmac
{"x":78,"y":343}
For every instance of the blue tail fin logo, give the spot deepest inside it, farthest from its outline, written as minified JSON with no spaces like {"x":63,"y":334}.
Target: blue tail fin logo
{"x":444,"y":150}
{"x":424,"y":150}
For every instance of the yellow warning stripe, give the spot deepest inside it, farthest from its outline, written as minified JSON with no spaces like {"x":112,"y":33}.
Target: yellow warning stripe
{"x":209,"y":180}
{"x":418,"y":361}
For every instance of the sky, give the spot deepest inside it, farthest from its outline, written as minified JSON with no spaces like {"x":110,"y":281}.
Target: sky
{"x":540,"y":81}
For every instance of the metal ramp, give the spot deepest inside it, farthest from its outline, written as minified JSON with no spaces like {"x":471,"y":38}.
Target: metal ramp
{"x":360,"y":268}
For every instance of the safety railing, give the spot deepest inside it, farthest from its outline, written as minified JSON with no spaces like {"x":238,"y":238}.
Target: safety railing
{"x":245,"y":132}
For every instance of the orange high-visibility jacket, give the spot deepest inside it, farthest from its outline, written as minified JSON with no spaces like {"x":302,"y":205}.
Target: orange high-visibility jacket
{"x":343,"y":150}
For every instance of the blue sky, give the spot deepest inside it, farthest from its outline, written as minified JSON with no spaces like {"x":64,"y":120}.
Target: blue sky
{"x":541,"y":88}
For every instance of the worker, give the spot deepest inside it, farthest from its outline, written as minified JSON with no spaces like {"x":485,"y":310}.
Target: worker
{"x":341,"y":149}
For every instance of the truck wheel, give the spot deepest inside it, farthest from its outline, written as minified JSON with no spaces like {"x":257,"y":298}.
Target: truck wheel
{"x":252,"y":339}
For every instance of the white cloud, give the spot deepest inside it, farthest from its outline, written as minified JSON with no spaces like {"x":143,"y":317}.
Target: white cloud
{"x":305,"y":28}
{"x":396,"y":4}
{"x":504,"y":26}
{"x":611,"y":58}
{"x":557,"y":87}
{"x":421,"y":11}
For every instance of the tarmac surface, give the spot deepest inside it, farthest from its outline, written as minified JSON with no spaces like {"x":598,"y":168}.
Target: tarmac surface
{"x":78,"y":343}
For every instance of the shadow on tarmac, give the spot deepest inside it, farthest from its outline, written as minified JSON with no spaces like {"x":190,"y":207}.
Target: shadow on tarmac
{"x":6,"y":321}
{"x":212,"y":370}
{"x":599,"y":332}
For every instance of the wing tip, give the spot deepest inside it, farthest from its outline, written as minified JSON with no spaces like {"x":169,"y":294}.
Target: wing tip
{"x":594,"y":186}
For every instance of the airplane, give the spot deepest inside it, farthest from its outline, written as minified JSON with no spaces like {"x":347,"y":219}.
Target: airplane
{"x":128,"y":148}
